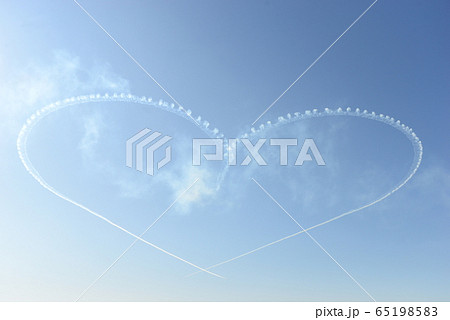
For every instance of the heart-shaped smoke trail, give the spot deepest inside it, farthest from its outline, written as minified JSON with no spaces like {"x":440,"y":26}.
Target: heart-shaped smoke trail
{"x":214,"y":133}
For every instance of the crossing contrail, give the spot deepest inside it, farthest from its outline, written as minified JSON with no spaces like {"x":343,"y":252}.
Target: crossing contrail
{"x":204,"y":126}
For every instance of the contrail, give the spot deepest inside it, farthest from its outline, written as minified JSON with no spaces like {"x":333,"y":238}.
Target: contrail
{"x":133,"y":59}
{"x":134,"y":242}
{"x":407,"y":131}
{"x":314,"y":239}
{"x":41,"y":113}
{"x":314,"y":62}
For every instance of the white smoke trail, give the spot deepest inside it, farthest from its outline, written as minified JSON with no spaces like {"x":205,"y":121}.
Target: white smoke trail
{"x":315,"y":113}
{"x":204,"y":126}
{"x":43,"y":112}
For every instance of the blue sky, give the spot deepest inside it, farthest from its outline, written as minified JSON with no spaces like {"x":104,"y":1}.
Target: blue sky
{"x":226,"y":61}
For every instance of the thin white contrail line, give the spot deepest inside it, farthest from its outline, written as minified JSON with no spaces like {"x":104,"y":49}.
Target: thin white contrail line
{"x":31,"y":170}
{"x":300,"y":232}
{"x":314,"y":62}
{"x":132,"y":58}
{"x":130,"y":233}
{"x":134,"y":242}
{"x":312,"y":238}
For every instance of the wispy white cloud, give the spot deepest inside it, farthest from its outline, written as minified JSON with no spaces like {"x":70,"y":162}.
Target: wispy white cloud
{"x":433,"y":183}
{"x":201,"y":193}
{"x":93,"y":125}
{"x":25,"y":89}
{"x":176,"y":180}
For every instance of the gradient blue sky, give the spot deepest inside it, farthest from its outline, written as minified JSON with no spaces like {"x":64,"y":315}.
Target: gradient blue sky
{"x":226,"y":61}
